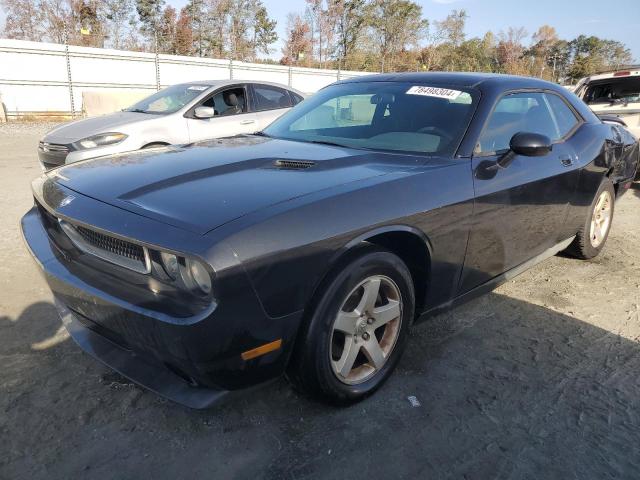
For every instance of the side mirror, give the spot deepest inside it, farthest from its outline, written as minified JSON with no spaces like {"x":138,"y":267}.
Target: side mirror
{"x":530,"y":144}
{"x":204,"y":112}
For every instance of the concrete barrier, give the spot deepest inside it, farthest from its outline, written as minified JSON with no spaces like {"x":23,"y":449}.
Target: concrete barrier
{"x":100,"y":102}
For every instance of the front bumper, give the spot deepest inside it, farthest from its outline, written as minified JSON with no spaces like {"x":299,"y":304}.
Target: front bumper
{"x":193,"y":360}
{"x":53,"y":155}
{"x":139,"y":369}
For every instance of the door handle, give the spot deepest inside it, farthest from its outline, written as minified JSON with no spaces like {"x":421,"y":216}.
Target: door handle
{"x":247,"y":122}
{"x":566,"y":160}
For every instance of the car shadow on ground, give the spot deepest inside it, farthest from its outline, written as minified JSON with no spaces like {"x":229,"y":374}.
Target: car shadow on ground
{"x":507,"y":389}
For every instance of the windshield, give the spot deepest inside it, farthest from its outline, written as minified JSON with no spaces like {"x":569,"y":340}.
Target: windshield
{"x":393,"y":116}
{"x":615,"y":90}
{"x":168,"y":100}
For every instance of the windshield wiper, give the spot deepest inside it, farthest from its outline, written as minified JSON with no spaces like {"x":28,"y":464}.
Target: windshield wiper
{"x":135,"y":110}
{"x":328,"y":142}
{"x":260,"y":134}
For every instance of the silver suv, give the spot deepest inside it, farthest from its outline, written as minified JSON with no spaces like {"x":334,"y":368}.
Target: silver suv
{"x":180,"y":114}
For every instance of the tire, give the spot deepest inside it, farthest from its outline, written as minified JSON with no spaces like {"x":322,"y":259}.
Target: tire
{"x":587,"y":245}
{"x":324,"y":349}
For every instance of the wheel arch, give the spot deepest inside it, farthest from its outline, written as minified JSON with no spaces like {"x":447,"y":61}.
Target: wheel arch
{"x":410,"y":244}
{"x":415,"y":250}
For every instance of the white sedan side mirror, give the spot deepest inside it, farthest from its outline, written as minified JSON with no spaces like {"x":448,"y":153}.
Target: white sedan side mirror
{"x":203,"y":112}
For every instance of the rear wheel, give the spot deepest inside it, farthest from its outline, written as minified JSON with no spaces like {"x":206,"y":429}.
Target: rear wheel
{"x":357,"y":330}
{"x":593,"y":235}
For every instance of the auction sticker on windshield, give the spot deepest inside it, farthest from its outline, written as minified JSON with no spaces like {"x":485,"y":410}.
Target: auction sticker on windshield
{"x":434,"y":92}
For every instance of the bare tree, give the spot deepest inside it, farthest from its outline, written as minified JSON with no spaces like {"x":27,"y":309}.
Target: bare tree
{"x":297,"y":48}
{"x":184,"y":34}
{"x":348,"y":18}
{"x":120,"y":20}
{"x":24,"y":21}
{"x":396,"y":25}
{"x":510,"y":50}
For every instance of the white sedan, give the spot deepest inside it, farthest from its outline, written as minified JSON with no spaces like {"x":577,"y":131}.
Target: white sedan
{"x":180,"y":114}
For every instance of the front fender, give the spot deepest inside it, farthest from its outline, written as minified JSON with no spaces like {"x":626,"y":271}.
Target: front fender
{"x":287,"y":250}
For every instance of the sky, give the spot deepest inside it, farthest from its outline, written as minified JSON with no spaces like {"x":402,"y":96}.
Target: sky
{"x":618,"y":21}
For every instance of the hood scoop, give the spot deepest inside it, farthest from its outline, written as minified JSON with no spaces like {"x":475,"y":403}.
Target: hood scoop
{"x":293,"y":164}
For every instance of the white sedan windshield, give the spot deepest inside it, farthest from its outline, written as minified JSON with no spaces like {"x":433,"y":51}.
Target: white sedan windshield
{"x":169,"y":100}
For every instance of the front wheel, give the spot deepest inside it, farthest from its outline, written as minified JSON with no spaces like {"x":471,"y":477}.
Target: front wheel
{"x":357,"y":330}
{"x":591,"y":238}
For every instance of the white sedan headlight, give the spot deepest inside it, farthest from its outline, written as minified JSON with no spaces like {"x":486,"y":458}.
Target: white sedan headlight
{"x":100,"y":140}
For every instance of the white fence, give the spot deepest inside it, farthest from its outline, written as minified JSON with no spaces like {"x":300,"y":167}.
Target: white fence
{"x":44,"y":79}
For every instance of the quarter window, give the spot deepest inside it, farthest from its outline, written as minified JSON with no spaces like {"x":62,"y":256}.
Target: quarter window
{"x":271,"y":98}
{"x":564,"y":116}
{"x":296,"y":98}
{"x":517,"y":112}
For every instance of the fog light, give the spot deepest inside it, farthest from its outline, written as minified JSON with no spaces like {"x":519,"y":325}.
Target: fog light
{"x":170,"y":264}
{"x":200,"y":275}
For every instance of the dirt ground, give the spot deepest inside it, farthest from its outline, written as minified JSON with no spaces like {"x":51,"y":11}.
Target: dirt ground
{"x":538,"y":379}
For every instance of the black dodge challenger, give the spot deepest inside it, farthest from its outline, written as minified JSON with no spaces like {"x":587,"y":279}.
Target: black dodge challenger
{"x":311,"y":248}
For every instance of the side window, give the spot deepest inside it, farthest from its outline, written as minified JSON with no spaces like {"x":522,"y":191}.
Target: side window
{"x":517,"y":112}
{"x":271,"y":98}
{"x":564,"y":116}
{"x":227,"y":102}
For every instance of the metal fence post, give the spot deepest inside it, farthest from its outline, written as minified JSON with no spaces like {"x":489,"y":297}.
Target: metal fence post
{"x":69,"y":82}
{"x":231,"y":69}
{"x":157,"y":61}
{"x":290,"y":76}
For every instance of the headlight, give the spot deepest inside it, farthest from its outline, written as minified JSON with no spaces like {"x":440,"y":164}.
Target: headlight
{"x":100,"y":140}
{"x":186,"y":273}
{"x":170,"y":264}
{"x":200,"y":275}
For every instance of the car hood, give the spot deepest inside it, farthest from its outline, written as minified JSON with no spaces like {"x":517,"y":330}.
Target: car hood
{"x":79,"y":129}
{"x":207,"y":185}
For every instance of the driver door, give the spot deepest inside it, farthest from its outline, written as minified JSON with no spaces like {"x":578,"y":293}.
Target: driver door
{"x":227,"y":120}
{"x":519,"y":209}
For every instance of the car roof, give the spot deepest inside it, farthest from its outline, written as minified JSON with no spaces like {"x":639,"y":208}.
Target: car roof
{"x":224,"y":83}
{"x":631,"y":71}
{"x":461,"y":79}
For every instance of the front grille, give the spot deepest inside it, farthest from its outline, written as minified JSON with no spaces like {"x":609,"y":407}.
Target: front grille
{"x":114,"y":250}
{"x":53,"y":155}
{"x":53,"y":148}
{"x":111,"y":244}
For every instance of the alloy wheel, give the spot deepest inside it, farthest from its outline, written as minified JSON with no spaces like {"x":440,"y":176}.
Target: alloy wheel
{"x":601,"y":219}
{"x":366,"y":329}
